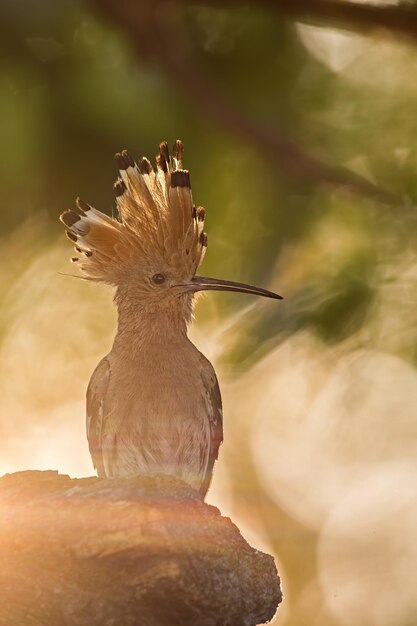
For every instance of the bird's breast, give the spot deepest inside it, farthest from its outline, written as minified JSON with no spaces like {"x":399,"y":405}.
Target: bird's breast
{"x":160,"y":421}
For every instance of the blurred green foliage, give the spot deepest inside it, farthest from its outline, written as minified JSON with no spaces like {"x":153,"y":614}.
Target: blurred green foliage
{"x":73,"y":93}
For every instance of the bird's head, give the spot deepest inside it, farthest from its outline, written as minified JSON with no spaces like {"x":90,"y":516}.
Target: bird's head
{"x":152,"y":252}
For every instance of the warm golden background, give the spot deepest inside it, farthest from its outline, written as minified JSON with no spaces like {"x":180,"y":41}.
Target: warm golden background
{"x":296,"y":116}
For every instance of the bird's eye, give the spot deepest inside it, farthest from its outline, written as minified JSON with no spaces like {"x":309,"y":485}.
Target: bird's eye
{"x":158,"y":279}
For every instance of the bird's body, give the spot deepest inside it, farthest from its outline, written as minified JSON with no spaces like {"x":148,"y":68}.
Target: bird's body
{"x":169,"y":422}
{"x":153,"y":403}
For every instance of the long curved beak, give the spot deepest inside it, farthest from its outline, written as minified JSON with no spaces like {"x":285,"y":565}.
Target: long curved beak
{"x":202,"y":283}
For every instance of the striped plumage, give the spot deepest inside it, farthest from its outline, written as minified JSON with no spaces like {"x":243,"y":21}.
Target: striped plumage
{"x":153,"y":403}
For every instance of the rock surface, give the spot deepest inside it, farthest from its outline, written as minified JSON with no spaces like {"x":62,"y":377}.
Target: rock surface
{"x":121,"y":552}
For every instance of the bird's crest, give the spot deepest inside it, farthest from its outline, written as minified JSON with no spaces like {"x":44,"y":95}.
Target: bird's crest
{"x":156,"y":220}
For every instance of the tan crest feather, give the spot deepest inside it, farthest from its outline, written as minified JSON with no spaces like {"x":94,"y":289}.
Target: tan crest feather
{"x":157,"y":220}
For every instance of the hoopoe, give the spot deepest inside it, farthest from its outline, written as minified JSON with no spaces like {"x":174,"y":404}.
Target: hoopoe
{"x":153,"y":403}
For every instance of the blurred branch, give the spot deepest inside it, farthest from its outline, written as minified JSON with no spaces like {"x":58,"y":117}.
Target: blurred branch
{"x":400,"y":19}
{"x":153,"y":29}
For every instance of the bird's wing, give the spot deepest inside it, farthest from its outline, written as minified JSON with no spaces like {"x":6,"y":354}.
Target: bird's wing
{"x":215,"y":415}
{"x":96,"y":394}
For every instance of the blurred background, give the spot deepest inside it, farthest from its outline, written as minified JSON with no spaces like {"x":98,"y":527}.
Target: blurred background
{"x":299,"y":124}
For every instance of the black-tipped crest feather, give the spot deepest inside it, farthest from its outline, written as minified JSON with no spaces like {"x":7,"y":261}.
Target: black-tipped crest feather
{"x":157,"y":220}
{"x":180,"y":178}
{"x":178,"y":150}
{"x":69,"y":218}
{"x":71,"y":235}
{"x":83,"y":206}
{"x":119,"y":187}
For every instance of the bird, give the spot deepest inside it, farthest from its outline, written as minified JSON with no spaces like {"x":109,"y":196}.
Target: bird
{"x":153,"y":402}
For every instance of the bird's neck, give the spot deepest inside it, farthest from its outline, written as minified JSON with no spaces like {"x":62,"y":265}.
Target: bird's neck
{"x":147,"y":327}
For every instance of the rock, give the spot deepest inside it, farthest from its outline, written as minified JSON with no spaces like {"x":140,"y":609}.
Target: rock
{"x":141,"y":551}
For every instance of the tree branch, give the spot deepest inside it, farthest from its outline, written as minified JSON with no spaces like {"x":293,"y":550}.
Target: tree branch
{"x":399,"y":19}
{"x":154,"y":35}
